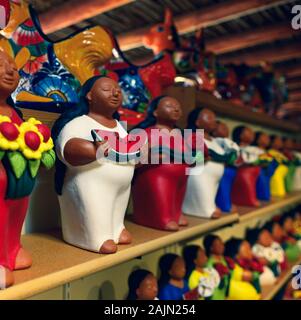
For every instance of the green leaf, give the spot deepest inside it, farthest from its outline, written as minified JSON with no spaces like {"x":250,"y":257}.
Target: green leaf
{"x":34,"y":166}
{"x":48,"y":159}
{"x":18,"y":163}
{"x":2,"y":153}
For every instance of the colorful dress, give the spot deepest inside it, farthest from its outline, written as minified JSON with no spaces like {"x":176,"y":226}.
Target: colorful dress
{"x":203,"y":183}
{"x":94,"y":196}
{"x":12,"y":216}
{"x":244,"y":187}
{"x":171,"y":292}
{"x":223,"y":197}
{"x":277,"y":183}
{"x":297,"y":176}
{"x":158,"y":189}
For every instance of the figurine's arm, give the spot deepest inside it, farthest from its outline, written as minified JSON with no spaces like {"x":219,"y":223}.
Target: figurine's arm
{"x":79,"y":152}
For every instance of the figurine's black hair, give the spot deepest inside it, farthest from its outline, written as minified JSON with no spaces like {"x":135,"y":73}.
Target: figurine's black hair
{"x":134,"y":281}
{"x":208,"y":241}
{"x":252,"y":235}
{"x":81,"y":109}
{"x":190,"y":253}
{"x":192,"y":118}
{"x":232,"y":247}
{"x":150,"y":119}
{"x":257,"y":136}
{"x":165,"y":265}
{"x":237,"y":133}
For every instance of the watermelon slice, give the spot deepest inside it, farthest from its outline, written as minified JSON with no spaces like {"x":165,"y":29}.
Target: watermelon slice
{"x":122,"y":149}
{"x":4,"y":13}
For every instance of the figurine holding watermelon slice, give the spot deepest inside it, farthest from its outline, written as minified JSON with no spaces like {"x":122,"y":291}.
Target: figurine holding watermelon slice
{"x":93,"y":194}
{"x":24,"y":146}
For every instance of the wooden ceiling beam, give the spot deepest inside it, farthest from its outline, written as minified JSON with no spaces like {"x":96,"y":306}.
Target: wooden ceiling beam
{"x":208,"y":16}
{"x":291,"y":71}
{"x":73,"y":11}
{"x":294,"y":96}
{"x":296,"y":85}
{"x":250,"y":38}
{"x":272,"y":55}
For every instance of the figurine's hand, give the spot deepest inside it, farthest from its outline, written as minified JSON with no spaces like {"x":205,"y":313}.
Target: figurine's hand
{"x":263,"y":261}
{"x":247,"y":276}
{"x":102,"y":148}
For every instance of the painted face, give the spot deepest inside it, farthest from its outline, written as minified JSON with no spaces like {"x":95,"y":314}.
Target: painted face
{"x":169,"y":109}
{"x":265,"y":238}
{"x":277,"y":232}
{"x":9,"y":75}
{"x":206,"y":120}
{"x":106,"y":94}
{"x":148,"y":289}
{"x":201,"y":259}
{"x":263,"y":141}
{"x":277,"y":144}
{"x":218,"y":247}
{"x":247,"y":136}
{"x":221,"y":130}
{"x":178,"y":269}
{"x":245,"y":251}
{"x":288,"y":224}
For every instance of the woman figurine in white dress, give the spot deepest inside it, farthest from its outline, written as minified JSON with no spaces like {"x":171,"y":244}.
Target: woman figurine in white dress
{"x":93,"y":194}
{"x":203,"y":182}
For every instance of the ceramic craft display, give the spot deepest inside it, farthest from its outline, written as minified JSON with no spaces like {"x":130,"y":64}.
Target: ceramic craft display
{"x":277,"y":184}
{"x":143,"y":285}
{"x":223,"y":197}
{"x":93,"y":194}
{"x":203,"y":281}
{"x":203,"y":181}
{"x":158,"y":189}
{"x":24,"y":147}
{"x":244,"y":186}
{"x":268,"y":167}
{"x":245,"y":278}
{"x":172,"y":283}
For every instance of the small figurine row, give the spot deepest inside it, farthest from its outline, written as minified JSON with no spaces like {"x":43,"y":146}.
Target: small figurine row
{"x":236,"y":270}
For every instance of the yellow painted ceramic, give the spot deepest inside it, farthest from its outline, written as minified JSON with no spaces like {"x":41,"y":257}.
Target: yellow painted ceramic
{"x":239,"y":289}
{"x":29,"y":97}
{"x":85,"y":52}
{"x":19,"y":13}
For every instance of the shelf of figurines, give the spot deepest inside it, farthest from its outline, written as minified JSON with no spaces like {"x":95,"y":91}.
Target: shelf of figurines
{"x":190,"y":98}
{"x":57,"y":263}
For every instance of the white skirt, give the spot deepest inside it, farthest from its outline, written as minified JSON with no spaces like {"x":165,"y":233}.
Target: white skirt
{"x":94,"y":202}
{"x":202,"y":188}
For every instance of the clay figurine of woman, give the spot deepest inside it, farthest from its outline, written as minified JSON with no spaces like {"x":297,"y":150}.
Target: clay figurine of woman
{"x":277,"y":183}
{"x":22,"y":145}
{"x":203,"y":181}
{"x":266,"y":250}
{"x":158,"y":188}
{"x":143,"y":285}
{"x":172,"y":283}
{"x":93,"y":194}
{"x":244,"y":187}
{"x":223,"y":197}
{"x":215,"y":250}
{"x":268,"y":166}
{"x":284,"y":238}
{"x":245,"y":280}
{"x":201,"y":279}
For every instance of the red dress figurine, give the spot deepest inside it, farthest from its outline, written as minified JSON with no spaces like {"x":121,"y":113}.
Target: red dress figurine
{"x":244,"y":187}
{"x":158,"y":189}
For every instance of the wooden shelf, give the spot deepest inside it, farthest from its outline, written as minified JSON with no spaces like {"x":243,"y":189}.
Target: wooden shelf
{"x":248,"y":213}
{"x":57,"y":263}
{"x":47,"y":118}
{"x":269,"y":292}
